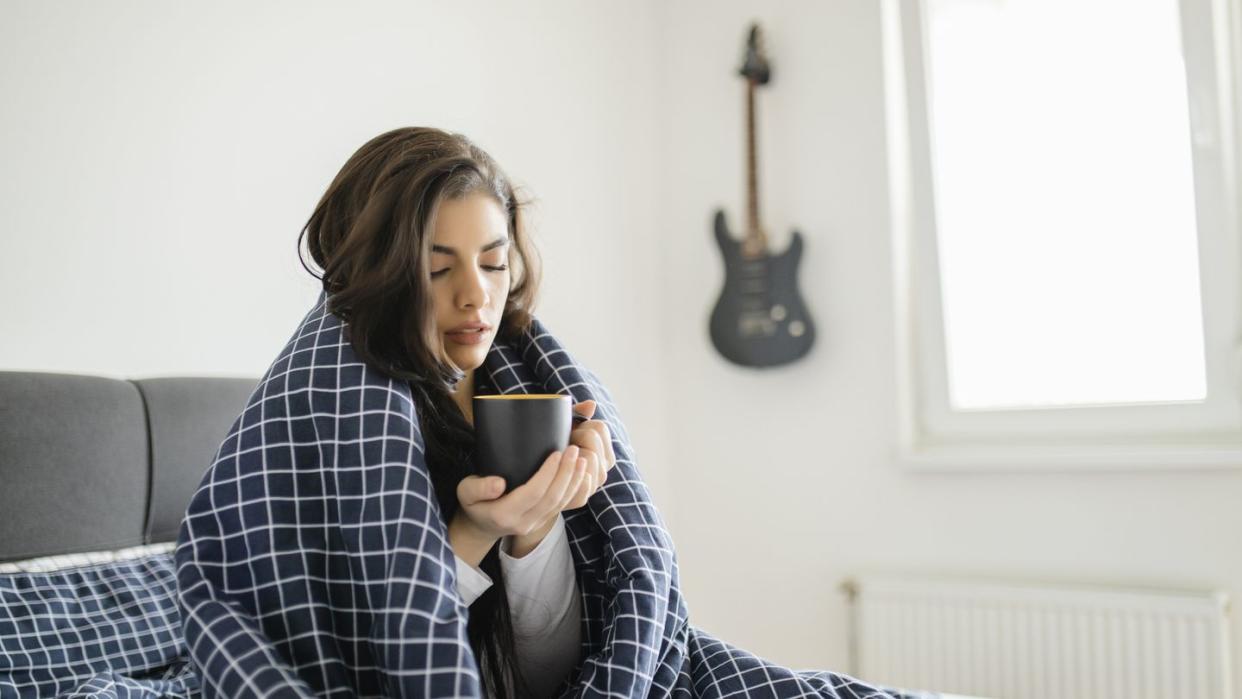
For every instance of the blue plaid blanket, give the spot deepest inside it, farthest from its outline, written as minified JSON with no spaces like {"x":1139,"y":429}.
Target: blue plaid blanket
{"x":313,"y":558}
{"x":108,"y":628}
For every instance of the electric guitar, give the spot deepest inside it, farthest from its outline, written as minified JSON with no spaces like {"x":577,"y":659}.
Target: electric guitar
{"x":759,"y":319}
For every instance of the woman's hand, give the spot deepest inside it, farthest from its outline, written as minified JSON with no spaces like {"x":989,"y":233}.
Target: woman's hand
{"x":565,"y":481}
{"x":527,"y":507}
{"x":595,"y":442}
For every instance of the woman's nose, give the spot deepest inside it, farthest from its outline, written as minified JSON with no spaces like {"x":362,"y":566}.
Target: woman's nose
{"x":473,"y":291}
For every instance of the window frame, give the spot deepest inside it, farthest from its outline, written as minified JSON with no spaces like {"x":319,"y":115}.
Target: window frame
{"x":1174,"y":435}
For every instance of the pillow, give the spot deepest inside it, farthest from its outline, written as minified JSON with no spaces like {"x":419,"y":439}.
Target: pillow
{"x":93,"y":624}
{"x":47,"y":564}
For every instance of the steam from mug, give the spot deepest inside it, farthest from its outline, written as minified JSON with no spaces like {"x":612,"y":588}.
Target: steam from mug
{"x":514,"y":434}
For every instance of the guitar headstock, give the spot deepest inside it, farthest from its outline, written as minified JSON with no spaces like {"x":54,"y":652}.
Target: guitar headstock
{"x":755,"y":65}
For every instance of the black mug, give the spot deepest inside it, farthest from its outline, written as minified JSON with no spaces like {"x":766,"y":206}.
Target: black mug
{"x":515,"y":434}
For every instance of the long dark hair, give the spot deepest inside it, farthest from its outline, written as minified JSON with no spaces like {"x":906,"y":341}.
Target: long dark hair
{"x":371,"y":234}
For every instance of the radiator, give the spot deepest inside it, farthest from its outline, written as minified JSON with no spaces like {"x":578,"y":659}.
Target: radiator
{"x":1014,"y":641}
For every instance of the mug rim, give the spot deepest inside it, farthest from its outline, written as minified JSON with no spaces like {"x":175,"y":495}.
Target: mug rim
{"x":522,"y":396}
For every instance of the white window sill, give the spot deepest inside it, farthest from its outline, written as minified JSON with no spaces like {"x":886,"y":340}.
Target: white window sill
{"x":1018,"y":457}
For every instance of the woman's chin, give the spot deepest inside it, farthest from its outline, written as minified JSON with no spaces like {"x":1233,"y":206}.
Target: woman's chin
{"x":469,"y":358}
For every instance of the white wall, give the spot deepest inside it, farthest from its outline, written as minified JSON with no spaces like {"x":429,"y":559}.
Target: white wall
{"x":777,"y":520}
{"x":159,"y":162}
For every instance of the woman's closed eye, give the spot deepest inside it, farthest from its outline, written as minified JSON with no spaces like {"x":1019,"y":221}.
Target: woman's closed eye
{"x":486,"y":267}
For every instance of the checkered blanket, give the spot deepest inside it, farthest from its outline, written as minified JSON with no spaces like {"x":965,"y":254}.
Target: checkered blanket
{"x":313,"y":558}
{"x":98,"y":624}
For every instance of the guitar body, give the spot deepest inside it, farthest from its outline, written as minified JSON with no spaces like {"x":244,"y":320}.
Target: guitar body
{"x":760,"y":319}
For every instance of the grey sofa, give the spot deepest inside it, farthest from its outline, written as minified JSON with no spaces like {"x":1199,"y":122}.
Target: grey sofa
{"x":89,"y":463}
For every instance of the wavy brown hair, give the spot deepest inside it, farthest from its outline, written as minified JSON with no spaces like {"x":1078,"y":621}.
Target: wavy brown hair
{"x":371,"y":236}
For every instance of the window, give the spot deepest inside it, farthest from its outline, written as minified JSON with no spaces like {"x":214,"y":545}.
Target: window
{"x":1064,"y":207}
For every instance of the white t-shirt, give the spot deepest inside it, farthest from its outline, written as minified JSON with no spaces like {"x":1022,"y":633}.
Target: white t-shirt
{"x":543,"y":603}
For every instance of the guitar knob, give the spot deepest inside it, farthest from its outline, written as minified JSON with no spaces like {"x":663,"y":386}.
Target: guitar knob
{"x":796,"y":328}
{"x":778,"y":312}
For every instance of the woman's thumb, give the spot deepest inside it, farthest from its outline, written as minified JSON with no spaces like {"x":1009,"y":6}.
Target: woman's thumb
{"x":476,"y":489}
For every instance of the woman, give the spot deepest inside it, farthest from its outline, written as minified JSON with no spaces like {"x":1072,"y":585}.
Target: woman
{"x":338,"y":543}
{"x":416,"y":237}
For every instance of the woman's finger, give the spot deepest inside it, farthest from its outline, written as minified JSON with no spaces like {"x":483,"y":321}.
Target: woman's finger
{"x":472,"y":489}
{"x":593,"y":469}
{"x":545,"y":506}
{"x":581,"y":435}
{"x":606,"y":435}
{"x":594,"y":453}
{"x":583,"y":492}
{"x":606,"y":452}
{"x":589,"y":486}
{"x":532,"y":491}
{"x":601,"y":472}
{"x":589,"y":440}
{"x":571,"y":493}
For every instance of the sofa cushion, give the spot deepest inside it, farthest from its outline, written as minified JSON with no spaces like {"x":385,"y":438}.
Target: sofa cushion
{"x":188,"y":418}
{"x":73,"y":461}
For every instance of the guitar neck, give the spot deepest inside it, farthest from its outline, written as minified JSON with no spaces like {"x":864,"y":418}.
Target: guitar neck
{"x":752,"y":165}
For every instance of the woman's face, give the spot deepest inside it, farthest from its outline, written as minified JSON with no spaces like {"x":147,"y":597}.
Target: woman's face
{"x":469,"y":274}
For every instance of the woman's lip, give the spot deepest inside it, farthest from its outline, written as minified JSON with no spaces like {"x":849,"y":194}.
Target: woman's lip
{"x":467,"y":338}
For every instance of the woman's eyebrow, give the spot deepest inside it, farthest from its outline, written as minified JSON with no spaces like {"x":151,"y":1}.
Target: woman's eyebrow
{"x":450,"y":251}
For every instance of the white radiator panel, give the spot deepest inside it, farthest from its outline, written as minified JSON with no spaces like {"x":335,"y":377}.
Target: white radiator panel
{"x":1017,"y":641}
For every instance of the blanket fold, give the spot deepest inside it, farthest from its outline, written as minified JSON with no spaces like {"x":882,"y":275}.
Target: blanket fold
{"x":314,"y":558}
